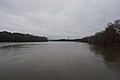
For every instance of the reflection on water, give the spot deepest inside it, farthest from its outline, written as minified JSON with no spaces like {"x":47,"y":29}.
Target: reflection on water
{"x":111,"y":56}
{"x":58,"y":61}
{"x":18,"y":46}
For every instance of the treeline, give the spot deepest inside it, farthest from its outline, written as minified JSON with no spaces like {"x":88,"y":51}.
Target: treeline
{"x":108,"y":37}
{"x":19,"y":37}
{"x":66,"y":40}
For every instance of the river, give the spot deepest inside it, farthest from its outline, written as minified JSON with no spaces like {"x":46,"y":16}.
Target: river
{"x":58,"y":61}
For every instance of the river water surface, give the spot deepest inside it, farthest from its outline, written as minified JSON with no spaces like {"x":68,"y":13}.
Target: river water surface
{"x":58,"y":61}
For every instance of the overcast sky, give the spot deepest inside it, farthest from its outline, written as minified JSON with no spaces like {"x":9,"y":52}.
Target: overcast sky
{"x":57,"y":18}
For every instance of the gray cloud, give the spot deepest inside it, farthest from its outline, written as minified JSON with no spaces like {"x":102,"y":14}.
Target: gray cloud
{"x":57,"y":18}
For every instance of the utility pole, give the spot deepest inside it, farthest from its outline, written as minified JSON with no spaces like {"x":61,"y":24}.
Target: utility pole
{"x":68,"y":37}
